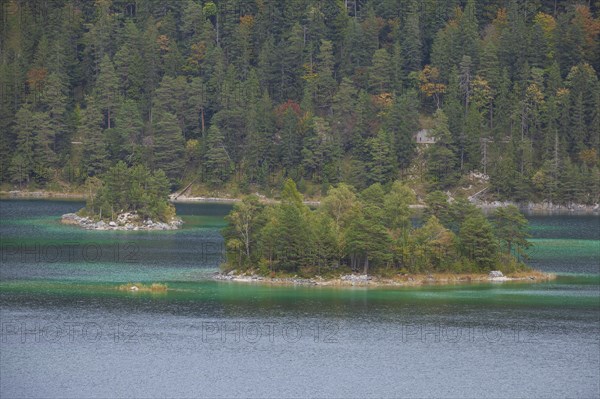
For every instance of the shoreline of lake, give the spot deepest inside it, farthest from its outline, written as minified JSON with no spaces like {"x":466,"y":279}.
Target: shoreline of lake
{"x":542,"y":208}
{"x":361,"y":280}
{"x":41,"y":194}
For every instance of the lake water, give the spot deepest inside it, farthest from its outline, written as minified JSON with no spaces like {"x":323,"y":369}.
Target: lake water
{"x":67,"y":332}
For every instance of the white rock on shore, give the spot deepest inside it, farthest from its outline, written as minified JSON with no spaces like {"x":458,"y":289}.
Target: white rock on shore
{"x":125,"y":221}
{"x":356,"y":278}
{"x":231,"y":276}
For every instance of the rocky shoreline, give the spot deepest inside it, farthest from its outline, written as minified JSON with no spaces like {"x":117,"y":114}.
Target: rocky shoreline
{"x":42,"y":194}
{"x":262,"y":198}
{"x":362,"y":280}
{"x":542,"y":207}
{"x":124,"y":222}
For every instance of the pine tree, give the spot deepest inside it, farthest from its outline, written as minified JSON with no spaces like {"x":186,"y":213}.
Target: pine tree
{"x":95,"y":154}
{"x":261,"y":127}
{"x":380,"y":74}
{"x":412,"y":45}
{"x":469,"y":32}
{"x":168,"y":145}
{"x":217,"y":162}
{"x":291,"y":132}
{"x":584,"y":107}
{"x":511,"y":228}
{"x":268,"y":71}
{"x":292,"y":241}
{"x":54,"y":100}
{"x":99,"y":38}
{"x":445,"y":49}
{"x":129,"y":63}
{"x":129,"y":129}
{"x":478,"y":242}
{"x":343,"y":108}
{"x":325,"y":82}
{"x":107,"y":90}
{"x":397,"y":61}
{"x":366,"y":239}
{"x":43,"y":148}
{"x":22,"y":161}
{"x":402,"y":123}
{"x":326,"y":248}
{"x":313,"y":151}
{"x":474,"y":126}
{"x":381,"y":162}
{"x":437,"y":205}
{"x":441,"y":156}
{"x":292,"y":62}
{"x":355,"y":55}
{"x":489,"y":64}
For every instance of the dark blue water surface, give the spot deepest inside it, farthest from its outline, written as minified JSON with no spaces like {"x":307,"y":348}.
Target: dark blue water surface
{"x":67,"y":331}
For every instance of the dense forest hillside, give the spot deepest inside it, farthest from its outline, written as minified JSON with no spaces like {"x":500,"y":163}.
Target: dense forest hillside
{"x":242,"y":94}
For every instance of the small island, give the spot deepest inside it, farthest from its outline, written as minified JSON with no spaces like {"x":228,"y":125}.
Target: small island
{"x":372,"y":238}
{"x":127,"y":198}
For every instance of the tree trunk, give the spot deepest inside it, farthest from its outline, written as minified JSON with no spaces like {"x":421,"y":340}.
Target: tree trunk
{"x":366,"y":269}
{"x":202,"y":121}
{"x":247,"y":242}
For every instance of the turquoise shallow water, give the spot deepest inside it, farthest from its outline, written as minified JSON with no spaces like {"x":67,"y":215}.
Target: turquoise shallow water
{"x":67,"y":333}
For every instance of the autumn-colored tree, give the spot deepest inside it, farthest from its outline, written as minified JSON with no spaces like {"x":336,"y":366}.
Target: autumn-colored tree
{"x":430,"y":83}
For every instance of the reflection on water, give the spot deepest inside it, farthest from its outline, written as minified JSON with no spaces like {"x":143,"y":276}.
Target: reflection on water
{"x":66,"y":332}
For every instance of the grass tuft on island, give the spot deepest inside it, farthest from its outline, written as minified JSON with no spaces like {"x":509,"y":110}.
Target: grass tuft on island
{"x":139,"y":287}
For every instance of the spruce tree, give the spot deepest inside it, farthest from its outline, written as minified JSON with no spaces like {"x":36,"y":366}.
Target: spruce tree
{"x":412,"y":45}
{"x":107,"y":91}
{"x":478,"y":242}
{"x":44,"y":145}
{"x":511,"y":228}
{"x":168,"y":145}
{"x":22,"y":161}
{"x":94,"y":157}
{"x":402,"y":123}
{"x":381,"y":161}
{"x":441,"y":156}
{"x":380,"y":73}
{"x":217,"y":163}
{"x":325,"y":82}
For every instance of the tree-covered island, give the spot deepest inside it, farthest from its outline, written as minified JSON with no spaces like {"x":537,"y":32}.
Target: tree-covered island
{"x":127,"y":198}
{"x":372,"y":232}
